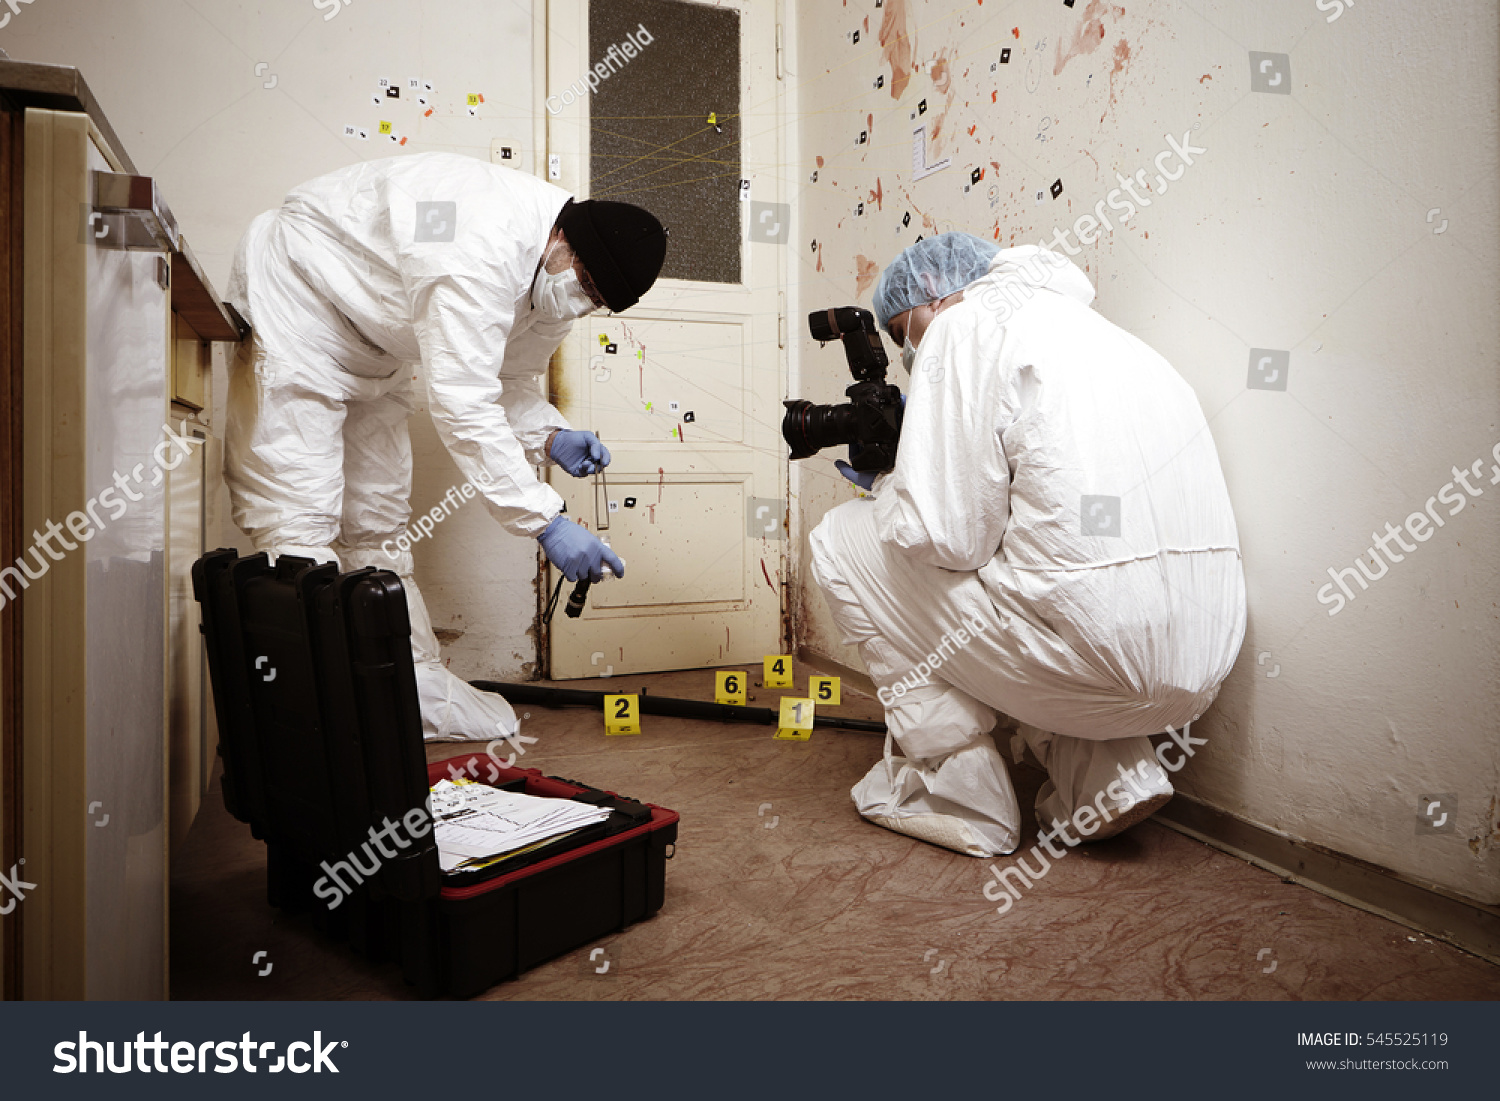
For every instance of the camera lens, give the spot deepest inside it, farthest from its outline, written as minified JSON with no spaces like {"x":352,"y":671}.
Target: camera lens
{"x":808,"y":428}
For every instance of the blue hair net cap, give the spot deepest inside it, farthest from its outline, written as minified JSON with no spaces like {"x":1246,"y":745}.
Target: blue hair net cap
{"x":931,"y":269}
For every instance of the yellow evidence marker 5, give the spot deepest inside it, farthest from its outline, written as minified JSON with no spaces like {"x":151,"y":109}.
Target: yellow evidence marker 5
{"x":778,"y":671}
{"x":622,"y":715}
{"x":824,"y":690}
{"x":796,"y":720}
{"x":730,"y":686}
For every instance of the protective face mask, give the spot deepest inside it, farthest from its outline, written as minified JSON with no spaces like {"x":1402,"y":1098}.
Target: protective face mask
{"x":908,"y":349}
{"x":559,"y":295}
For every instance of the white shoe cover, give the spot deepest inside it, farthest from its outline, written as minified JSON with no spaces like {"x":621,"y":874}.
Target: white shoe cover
{"x":1081,"y":771}
{"x":963,"y":801}
{"x":454,"y":710}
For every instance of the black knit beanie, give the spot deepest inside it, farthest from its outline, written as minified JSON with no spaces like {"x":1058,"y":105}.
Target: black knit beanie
{"x":622,"y":246}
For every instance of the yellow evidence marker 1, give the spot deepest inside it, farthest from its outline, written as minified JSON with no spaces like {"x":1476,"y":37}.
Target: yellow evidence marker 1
{"x":622,"y":715}
{"x":824,"y":690}
{"x":778,"y":671}
{"x":730,"y":686}
{"x":796,"y":719}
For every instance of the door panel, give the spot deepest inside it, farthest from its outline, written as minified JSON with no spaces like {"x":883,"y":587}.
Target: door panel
{"x":686,"y":387}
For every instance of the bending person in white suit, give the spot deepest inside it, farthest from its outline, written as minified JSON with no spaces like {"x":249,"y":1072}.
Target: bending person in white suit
{"x":1054,"y":543}
{"x":467,"y":275}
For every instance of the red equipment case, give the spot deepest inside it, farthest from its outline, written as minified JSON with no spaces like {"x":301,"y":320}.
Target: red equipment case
{"x":329,"y":748}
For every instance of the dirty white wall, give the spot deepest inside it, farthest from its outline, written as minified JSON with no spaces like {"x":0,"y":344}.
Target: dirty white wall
{"x":1349,"y":223}
{"x":230,"y":104}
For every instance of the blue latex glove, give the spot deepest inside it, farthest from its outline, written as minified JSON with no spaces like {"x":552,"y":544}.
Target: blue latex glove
{"x":579,"y":453}
{"x":577,"y":553}
{"x":865,"y":479}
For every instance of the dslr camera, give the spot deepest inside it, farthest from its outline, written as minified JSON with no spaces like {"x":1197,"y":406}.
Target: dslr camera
{"x":870,"y":421}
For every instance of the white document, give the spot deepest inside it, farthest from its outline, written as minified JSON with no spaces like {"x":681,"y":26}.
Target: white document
{"x":919,"y":165}
{"x":473,"y":821}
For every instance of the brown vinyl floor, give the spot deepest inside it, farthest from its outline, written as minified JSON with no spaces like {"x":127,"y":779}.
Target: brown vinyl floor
{"x":779,"y":890}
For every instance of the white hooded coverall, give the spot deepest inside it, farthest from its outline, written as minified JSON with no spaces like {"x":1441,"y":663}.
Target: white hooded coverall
{"x":358,"y":278}
{"x":1023,"y":403}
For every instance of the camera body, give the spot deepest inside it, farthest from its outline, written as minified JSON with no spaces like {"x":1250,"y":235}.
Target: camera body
{"x":870,"y":422}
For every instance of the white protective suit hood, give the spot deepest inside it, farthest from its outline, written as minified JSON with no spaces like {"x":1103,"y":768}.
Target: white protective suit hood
{"x":1035,"y":268}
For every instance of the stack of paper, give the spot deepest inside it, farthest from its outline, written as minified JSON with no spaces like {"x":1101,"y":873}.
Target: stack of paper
{"x":474,"y":823}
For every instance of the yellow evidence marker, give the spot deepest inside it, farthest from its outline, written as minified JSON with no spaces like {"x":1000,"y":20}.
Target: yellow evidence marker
{"x":622,"y":715}
{"x":730,"y":686}
{"x":796,"y":719}
{"x":824,"y":690}
{"x":778,"y":671}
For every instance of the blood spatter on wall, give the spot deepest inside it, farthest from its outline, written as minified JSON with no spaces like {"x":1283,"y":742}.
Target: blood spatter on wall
{"x":895,"y":46}
{"x":866,"y":271}
{"x":1086,"y":37}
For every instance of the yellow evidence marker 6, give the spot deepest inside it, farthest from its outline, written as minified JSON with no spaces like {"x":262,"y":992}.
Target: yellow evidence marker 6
{"x":824,"y":690}
{"x":778,"y":671}
{"x":622,"y":715}
{"x":796,"y":719}
{"x":730,"y":686}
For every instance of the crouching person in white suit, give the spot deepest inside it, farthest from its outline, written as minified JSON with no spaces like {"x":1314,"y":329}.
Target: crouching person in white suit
{"x":1055,"y":543}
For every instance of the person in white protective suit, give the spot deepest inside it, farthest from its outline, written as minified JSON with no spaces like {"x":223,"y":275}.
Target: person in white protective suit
{"x":1055,"y":543}
{"x":467,"y":273}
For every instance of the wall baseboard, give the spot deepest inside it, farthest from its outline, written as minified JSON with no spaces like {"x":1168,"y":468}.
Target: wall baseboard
{"x":1462,"y":922}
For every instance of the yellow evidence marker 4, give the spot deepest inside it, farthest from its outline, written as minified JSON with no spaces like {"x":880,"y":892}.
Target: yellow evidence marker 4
{"x":778,"y":671}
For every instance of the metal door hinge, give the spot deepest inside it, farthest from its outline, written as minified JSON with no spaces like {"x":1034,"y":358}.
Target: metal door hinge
{"x":780,"y":69}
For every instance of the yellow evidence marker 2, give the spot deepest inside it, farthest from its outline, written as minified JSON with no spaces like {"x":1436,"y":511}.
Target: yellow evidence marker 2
{"x":622,"y":715}
{"x":778,"y":671}
{"x":824,"y":690}
{"x":730,"y":686}
{"x":796,"y":719}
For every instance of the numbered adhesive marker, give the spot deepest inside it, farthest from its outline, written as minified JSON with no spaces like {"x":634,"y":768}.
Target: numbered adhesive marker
{"x":729,"y":686}
{"x":622,"y":715}
{"x":796,"y":720}
{"x":824,"y":690}
{"x":778,"y":671}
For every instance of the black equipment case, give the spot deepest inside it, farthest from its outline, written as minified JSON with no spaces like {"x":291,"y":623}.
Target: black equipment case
{"x":321,"y":736}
